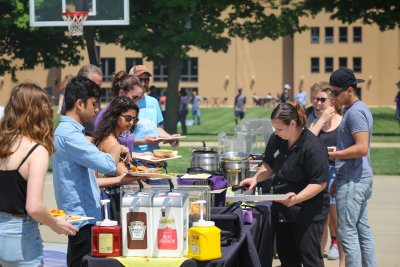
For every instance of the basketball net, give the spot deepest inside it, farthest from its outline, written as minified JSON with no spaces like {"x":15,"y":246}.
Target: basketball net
{"x":75,"y":22}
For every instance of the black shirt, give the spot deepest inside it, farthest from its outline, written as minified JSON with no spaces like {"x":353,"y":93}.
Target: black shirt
{"x":306,"y":162}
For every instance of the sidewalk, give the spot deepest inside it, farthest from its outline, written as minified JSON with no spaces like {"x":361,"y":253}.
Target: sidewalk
{"x":383,"y":210}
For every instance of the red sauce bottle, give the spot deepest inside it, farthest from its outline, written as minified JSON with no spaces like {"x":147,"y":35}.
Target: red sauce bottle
{"x":106,"y":236}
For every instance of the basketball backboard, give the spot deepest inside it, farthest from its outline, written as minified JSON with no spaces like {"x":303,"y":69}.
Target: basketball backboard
{"x":47,"y":13}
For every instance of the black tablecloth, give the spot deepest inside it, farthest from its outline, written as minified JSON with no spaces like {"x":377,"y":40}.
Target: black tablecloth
{"x":253,"y":249}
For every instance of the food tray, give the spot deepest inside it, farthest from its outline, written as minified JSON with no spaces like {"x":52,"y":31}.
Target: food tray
{"x":149,"y":158}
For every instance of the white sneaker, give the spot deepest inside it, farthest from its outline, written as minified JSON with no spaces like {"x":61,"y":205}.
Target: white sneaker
{"x":333,"y":252}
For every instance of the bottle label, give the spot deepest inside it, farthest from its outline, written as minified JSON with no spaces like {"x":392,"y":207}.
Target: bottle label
{"x":167,"y":238}
{"x":195,"y":246}
{"x":105,"y":243}
{"x":137,"y":230}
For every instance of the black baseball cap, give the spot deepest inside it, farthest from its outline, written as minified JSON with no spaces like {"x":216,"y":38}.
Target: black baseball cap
{"x":343,"y":78}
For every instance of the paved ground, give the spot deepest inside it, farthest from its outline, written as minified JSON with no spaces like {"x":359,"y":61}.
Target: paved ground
{"x":383,"y":208}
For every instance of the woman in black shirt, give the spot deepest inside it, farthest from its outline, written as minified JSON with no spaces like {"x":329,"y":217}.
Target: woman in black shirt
{"x":299,"y":164}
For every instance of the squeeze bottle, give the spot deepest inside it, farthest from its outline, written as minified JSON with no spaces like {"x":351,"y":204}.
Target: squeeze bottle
{"x":106,"y":236}
{"x":204,"y":239}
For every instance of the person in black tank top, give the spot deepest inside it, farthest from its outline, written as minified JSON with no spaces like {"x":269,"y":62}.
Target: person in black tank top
{"x":326,"y":128}
{"x":26,"y":137}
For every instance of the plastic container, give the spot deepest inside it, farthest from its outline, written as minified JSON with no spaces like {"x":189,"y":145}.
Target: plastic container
{"x":204,"y":239}
{"x":106,"y":236}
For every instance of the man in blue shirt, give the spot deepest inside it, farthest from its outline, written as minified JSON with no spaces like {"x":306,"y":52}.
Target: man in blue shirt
{"x":353,"y":183}
{"x":75,"y":186}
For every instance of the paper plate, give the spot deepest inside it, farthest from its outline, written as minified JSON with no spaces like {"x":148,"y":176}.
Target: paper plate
{"x":155,"y":159}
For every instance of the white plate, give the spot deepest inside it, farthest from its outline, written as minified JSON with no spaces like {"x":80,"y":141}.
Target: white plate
{"x":155,"y":159}
{"x":150,"y":175}
{"x":268,"y":197}
{"x":170,"y":138}
{"x":82,"y":218}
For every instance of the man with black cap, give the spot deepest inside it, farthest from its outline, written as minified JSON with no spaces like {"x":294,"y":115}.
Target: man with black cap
{"x":397,"y":100}
{"x":353,"y":184}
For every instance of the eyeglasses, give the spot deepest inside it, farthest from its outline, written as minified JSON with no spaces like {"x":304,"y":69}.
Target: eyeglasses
{"x":144,"y":79}
{"x":136,"y":97}
{"x":129,"y":118}
{"x":321,"y":99}
{"x":338,"y":92}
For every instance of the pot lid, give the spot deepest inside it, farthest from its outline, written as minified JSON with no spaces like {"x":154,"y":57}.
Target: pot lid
{"x":234,"y":156}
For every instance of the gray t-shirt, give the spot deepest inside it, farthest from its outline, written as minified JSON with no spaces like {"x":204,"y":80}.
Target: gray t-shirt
{"x":240,"y":101}
{"x":356,"y":118}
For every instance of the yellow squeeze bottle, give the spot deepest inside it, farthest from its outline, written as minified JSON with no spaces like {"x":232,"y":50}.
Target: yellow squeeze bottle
{"x":204,"y":239}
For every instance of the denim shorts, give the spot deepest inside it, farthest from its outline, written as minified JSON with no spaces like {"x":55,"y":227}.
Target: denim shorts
{"x":332,"y":175}
{"x":20,"y":241}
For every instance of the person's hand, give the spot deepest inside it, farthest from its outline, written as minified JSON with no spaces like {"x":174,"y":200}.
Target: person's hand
{"x":174,"y":142}
{"x":126,"y":178}
{"x":63,"y":227}
{"x":249,"y":182}
{"x":290,"y":201}
{"x":125,"y":156}
{"x":121,"y":168}
{"x":332,"y":155}
{"x":151,"y":140}
{"x":327,"y":114}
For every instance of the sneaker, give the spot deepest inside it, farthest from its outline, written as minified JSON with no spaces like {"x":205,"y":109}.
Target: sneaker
{"x":333,"y":252}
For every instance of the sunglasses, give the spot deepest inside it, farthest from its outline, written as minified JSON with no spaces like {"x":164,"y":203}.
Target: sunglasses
{"x":144,"y":79}
{"x":338,"y":92}
{"x":136,"y":97}
{"x":129,"y":118}
{"x":321,"y":99}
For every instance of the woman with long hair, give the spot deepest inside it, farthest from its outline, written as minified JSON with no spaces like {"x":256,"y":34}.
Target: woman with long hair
{"x":120,"y":117}
{"x":326,"y":128}
{"x":26,"y":142}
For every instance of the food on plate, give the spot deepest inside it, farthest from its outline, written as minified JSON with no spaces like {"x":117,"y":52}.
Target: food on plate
{"x":58,"y":213}
{"x":133,"y":168}
{"x":142,"y":168}
{"x":74,"y":217}
{"x":165,"y":153}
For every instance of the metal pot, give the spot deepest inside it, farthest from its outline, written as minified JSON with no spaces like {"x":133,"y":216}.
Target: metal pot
{"x":235,"y":170}
{"x":204,"y":157}
{"x":234,"y":156}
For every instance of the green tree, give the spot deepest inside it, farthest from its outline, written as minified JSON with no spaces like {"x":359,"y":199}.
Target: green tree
{"x":22,"y":46}
{"x":384,"y":13}
{"x":164,"y":31}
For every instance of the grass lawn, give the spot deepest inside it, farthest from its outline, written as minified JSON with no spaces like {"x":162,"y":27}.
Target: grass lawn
{"x":216,"y":120}
{"x":384,"y":161}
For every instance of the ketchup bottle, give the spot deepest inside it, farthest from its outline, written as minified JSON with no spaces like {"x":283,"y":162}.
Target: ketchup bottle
{"x":106,"y":236}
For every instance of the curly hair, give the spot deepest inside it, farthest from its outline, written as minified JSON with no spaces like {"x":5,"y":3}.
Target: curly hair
{"x":28,"y":113}
{"x":109,"y":121}
{"x":124,"y":81}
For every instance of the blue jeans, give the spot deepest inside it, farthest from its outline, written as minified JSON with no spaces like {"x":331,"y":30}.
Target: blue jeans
{"x":20,"y":241}
{"x":196,"y":113}
{"x":332,"y":175}
{"x":353,"y":229}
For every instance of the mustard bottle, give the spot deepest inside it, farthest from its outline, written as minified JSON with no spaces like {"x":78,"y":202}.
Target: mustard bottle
{"x":204,"y":239}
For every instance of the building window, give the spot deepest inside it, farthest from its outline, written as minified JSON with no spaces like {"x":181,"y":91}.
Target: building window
{"x":343,"y":62}
{"x":315,"y":64}
{"x":357,"y":35}
{"x":314,"y":35}
{"x":342,"y":34}
{"x":189,"y":72}
{"x":132,"y":61}
{"x":328,"y":64}
{"x":108,"y":68}
{"x":160,"y":73}
{"x":328,"y":34}
{"x":357,"y":64}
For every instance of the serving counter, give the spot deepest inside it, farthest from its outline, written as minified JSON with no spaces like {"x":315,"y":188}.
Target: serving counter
{"x":253,"y":249}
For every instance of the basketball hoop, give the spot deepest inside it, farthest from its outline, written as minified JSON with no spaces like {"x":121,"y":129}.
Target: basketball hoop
{"x":75,"y":22}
